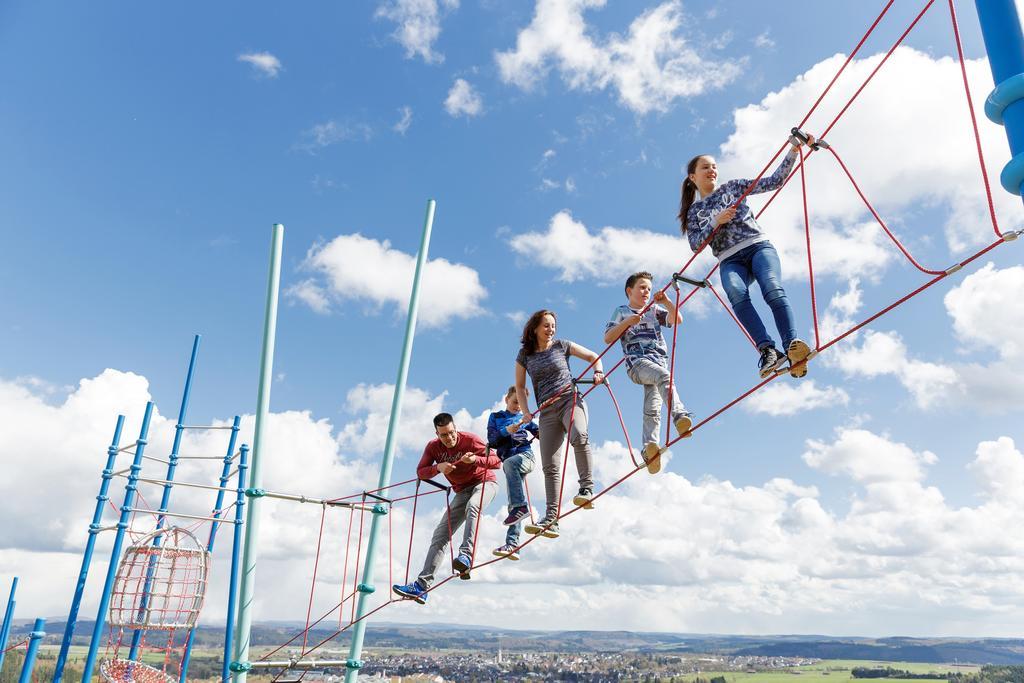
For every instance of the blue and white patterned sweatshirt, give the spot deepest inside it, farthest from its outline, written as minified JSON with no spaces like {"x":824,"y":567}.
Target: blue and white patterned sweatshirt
{"x":742,"y":230}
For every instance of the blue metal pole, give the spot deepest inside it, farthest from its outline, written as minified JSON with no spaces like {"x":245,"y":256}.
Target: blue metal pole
{"x":115,"y":552}
{"x":366,"y":587}
{"x":236,"y":554}
{"x":33,"y":649}
{"x":225,"y":476}
{"x":240,"y":666}
{"x":94,"y":529}
{"x":165,"y":499}
{"x":1004,"y":42}
{"x":5,"y":630}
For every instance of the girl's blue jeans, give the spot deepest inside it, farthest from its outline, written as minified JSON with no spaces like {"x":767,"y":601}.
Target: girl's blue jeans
{"x":758,"y":262}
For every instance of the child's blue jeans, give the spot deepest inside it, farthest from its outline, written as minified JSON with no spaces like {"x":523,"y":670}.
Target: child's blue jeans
{"x":758,"y":262}
{"x":516,"y":467}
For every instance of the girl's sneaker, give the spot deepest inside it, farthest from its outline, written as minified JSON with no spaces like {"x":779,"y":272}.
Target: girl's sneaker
{"x":770,"y":361}
{"x":650,"y":452}
{"x":546,"y":527}
{"x":583,"y":499}
{"x":516,"y":515}
{"x":797,"y":352}
{"x":506,"y":550}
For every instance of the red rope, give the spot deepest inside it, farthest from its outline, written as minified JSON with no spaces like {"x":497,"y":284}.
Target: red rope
{"x":622,"y":422}
{"x":671,"y":369}
{"x":565,"y":458}
{"x":316,"y":566}
{"x":728,"y":309}
{"x":359,"y":554}
{"x":344,"y":573}
{"x":810,"y":262}
{"x":412,"y":528}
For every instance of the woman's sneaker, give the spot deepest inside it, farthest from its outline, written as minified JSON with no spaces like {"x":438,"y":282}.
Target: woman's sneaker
{"x":547,"y":527}
{"x":506,"y":550}
{"x":683,"y":424}
{"x":797,"y":352}
{"x":651,"y":452}
{"x":517,"y":514}
{"x":583,"y":498}
{"x":770,"y":360}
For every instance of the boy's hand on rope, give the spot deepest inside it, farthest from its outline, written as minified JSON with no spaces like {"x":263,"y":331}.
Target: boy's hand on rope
{"x":725,"y":216}
{"x":468,"y":458}
{"x":634,"y":319}
{"x":661,"y":298}
{"x":598,"y":376}
{"x":445,"y":467}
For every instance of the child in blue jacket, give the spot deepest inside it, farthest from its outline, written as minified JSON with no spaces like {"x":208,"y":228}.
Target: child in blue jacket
{"x":510,"y":436}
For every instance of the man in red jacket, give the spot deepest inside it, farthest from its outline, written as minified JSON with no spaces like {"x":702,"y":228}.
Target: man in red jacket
{"x":468,"y":465}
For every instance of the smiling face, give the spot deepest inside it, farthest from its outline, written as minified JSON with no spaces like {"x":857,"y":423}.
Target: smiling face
{"x":545,"y":331}
{"x":639,"y":294}
{"x":705,"y":175}
{"x":448,"y":435}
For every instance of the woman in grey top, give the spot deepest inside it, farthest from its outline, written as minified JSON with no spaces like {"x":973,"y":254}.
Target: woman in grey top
{"x":546,"y":359}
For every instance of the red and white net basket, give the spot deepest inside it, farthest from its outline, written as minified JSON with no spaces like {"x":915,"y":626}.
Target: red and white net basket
{"x":125,"y":671}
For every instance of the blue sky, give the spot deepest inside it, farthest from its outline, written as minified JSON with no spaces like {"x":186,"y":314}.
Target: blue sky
{"x":149,"y":149}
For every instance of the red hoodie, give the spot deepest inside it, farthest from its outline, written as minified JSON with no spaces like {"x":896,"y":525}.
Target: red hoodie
{"x":463,"y":476}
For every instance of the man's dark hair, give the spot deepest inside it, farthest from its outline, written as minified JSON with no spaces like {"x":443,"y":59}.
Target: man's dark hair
{"x":442,"y":419}
{"x":641,"y":275}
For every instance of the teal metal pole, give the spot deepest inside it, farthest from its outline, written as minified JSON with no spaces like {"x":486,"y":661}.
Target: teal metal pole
{"x":366,"y":587}
{"x":241,"y":665}
{"x":5,"y":630}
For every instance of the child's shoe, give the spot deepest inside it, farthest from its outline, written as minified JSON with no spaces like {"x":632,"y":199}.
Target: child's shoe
{"x":650,"y":453}
{"x":583,"y":498}
{"x":506,"y":550}
{"x":546,"y":527}
{"x":461,"y":565}
{"x":683,"y":424}
{"x":770,"y":361}
{"x":517,"y":514}
{"x":413,"y":591}
{"x":797,"y":353}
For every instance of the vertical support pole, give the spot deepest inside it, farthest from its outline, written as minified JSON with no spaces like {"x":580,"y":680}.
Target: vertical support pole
{"x":236,"y":552}
{"x":354,"y":663}
{"x":90,"y":546}
{"x":1004,"y":42}
{"x":225,"y":477}
{"x":165,"y":499}
{"x":252,"y":521}
{"x":5,"y":630}
{"x":33,"y":649}
{"x":115,"y":552}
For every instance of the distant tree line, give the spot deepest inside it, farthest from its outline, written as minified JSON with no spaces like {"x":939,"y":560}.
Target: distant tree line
{"x":992,"y":674}
{"x":889,"y":672}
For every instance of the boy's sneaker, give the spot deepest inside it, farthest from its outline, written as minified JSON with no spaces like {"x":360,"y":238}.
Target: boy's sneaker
{"x":583,"y":498}
{"x":550,"y":531}
{"x":797,"y":352}
{"x":651,"y":452}
{"x":770,"y":361}
{"x":506,"y":550}
{"x":516,"y":515}
{"x":546,"y":527}
{"x":683,"y":424}
{"x":413,"y":591}
{"x":461,"y":565}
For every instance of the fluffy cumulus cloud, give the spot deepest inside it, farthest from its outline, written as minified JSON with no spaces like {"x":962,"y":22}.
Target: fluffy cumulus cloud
{"x":463,"y":100}
{"x":353,"y":267}
{"x":649,"y":67}
{"x":780,"y":398}
{"x":657,"y":553}
{"x":418,"y":25}
{"x":263,"y":64}
{"x":919,"y":188}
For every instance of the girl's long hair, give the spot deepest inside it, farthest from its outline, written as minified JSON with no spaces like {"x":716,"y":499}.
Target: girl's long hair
{"x":689,"y":192}
{"x":529,"y":339}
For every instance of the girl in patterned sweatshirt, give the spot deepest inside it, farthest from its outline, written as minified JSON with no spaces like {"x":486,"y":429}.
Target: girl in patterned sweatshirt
{"x":744,"y":253}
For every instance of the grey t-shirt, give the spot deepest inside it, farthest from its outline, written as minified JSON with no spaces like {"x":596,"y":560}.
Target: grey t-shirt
{"x":548,"y":370}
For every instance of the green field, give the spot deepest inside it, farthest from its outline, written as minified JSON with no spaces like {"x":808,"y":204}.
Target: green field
{"x":830,"y":671}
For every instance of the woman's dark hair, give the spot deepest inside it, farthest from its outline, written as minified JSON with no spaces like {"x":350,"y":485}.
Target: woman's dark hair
{"x":689,"y":191}
{"x":529,"y":339}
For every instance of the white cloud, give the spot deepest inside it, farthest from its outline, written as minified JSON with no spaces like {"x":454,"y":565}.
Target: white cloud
{"x":353,"y":267}
{"x":403,"y":123}
{"x":463,"y":100}
{"x":657,"y":553}
{"x":332,"y":132}
{"x":988,"y":311}
{"x":649,"y":68}
{"x":263,"y":63}
{"x":419,"y":25}
{"x":764,"y":40}
{"x":788,"y":398}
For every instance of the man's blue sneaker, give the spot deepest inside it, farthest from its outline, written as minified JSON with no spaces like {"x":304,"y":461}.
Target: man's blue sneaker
{"x":461,"y":565}
{"x":412,"y":591}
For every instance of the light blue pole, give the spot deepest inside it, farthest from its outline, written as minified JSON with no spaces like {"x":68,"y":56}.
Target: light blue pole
{"x":236,"y":553}
{"x":366,"y":587}
{"x":115,"y":552}
{"x":1004,"y":42}
{"x":5,"y":630}
{"x":225,"y":475}
{"x":165,"y":499}
{"x":33,"y":649}
{"x":90,"y":545}
{"x":240,"y":666}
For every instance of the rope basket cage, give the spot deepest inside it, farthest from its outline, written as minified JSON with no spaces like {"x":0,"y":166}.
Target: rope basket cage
{"x":125,"y":670}
{"x":160,"y":582}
